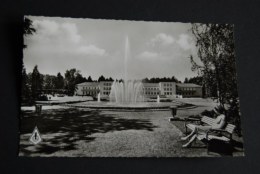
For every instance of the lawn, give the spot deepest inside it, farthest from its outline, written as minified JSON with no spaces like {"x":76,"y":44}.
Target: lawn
{"x":77,"y":132}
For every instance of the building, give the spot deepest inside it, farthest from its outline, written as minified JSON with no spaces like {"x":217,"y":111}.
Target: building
{"x":105,"y":88}
{"x":87,"y":89}
{"x":93,"y":88}
{"x":189,"y":90}
{"x":168,"y":89}
{"x":151,"y":90}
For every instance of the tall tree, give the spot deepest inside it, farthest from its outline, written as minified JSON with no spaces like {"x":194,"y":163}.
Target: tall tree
{"x":26,"y":93}
{"x":28,"y":28}
{"x":101,"y":78}
{"x":89,"y":79}
{"x":59,"y":81}
{"x":26,"y":81}
{"x":215,"y":44}
{"x":72,"y":77}
{"x":49,"y":82}
{"x":186,"y":80}
{"x":79,"y":78}
{"x":36,"y":82}
{"x":110,"y":79}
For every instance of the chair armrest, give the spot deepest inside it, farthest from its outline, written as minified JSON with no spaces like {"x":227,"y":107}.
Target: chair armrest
{"x":218,"y":131}
{"x":190,"y":119}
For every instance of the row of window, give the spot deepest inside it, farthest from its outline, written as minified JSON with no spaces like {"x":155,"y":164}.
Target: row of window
{"x":186,"y":93}
{"x":90,"y":87}
{"x":106,"y":93}
{"x":107,"y":84}
{"x":151,"y":88}
{"x":157,"y":93}
{"x":167,"y":84}
{"x":90,"y":93}
{"x":107,"y":88}
{"x":188,"y":89}
{"x":152,"y":93}
{"x":167,"y":89}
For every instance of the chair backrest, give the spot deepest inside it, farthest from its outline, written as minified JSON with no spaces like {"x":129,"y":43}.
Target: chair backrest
{"x":208,"y":120}
{"x":230,"y":128}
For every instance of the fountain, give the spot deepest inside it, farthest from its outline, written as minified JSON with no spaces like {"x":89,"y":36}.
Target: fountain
{"x":126,"y":95}
{"x":98,"y":97}
{"x":158,"y":99}
{"x":128,"y":91}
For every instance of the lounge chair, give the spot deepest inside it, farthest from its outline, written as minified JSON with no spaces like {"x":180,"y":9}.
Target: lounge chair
{"x":205,"y":120}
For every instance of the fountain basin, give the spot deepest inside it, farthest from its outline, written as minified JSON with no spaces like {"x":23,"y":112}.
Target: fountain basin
{"x":139,"y":106}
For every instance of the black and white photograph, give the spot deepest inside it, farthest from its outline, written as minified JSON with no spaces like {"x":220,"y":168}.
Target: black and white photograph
{"x":124,"y":88}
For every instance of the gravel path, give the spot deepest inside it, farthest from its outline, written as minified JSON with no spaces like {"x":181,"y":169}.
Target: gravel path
{"x":74,"y":132}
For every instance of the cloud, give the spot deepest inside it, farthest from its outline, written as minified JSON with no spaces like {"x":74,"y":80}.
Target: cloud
{"x":90,"y":50}
{"x":62,"y":38}
{"x":185,"y":42}
{"x":163,"y":39}
{"x":148,"y":54}
{"x":71,"y":32}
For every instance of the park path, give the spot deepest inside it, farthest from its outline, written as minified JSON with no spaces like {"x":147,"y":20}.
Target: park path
{"x":88,"y":133}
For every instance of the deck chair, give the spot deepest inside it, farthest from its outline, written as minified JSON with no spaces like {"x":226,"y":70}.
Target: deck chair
{"x":205,"y":120}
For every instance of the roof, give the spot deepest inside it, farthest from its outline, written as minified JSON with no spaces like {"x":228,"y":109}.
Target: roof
{"x":151,"y":84}
{"x":166,"y":82}
{"x":106,"y":81}
{"x":187,"y":85}
{"x":88,"y":84}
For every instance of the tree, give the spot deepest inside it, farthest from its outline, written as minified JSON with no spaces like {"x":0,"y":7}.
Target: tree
{"x":101,"y":78}
{"x":28,"y":28}
{"x":157,"y":80}
{"x":186,"y":80}
{"x":89,"y":79}
{"x":49,"y":82}
{"x":59,"y":81}
{"x":215,"y":43}
{"x":25,"y":93}
{"x":110,"y":79}
{"x":36,"y":83}
{"x":79,"y":78}
{"x":72,"y":77}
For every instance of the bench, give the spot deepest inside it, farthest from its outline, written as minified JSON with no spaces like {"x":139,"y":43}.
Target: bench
{"x":214,"y":136}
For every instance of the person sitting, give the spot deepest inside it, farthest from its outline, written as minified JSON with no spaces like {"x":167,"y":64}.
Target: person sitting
{"x":199,"y":130}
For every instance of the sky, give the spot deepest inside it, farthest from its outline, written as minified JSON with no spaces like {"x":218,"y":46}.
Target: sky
{"x":97,"y":47}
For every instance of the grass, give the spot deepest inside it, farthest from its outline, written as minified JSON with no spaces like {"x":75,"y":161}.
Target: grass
{"x":90,"y":133}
